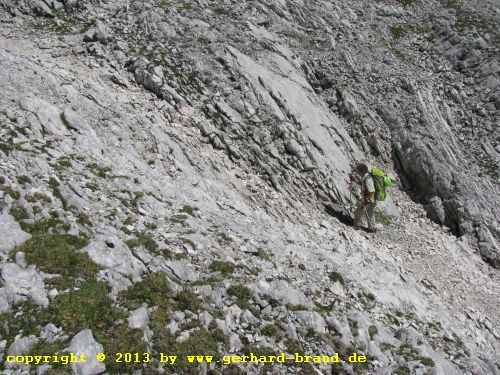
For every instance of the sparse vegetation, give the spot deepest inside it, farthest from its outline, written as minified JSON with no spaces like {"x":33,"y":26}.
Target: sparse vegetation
{"x":188,"y":210}
{"x":336,"y":277}
{"x":24,"y":180}
{"x":19,"y":213}
{"x":226,"y":268}
{"x":154,"y":290}
{"x":269,"y":330}
{"x":142,"y":239}
{"x":56,"y":252}
{"x":99,"y":170}
{"x":242,"y":294}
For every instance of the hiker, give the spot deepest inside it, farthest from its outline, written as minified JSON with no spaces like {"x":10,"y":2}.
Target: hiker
{"x":366,"y":203}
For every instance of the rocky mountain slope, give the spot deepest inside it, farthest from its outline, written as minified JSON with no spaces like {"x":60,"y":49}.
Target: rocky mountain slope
{"x":165,"y":168}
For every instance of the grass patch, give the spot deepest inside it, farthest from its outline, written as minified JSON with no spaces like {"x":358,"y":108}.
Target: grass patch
{"x":99,"y":170}
{"x":121,"y":339}
{"x":269,"y":330}
{"x":200,"y":342}
{"x":24,"y":180}
{"x":225,"y":268}
{"x":54,"y":186}
{"x":19,"y":213}
{"x":187,"y":300}
{"x":142,"y":239}
{"x":188,"y":210}
{"x":88,"y":307}
{"x":12,"y":193}
{"x":154,"y":290}
{"x":398,"y":31}
{"x":54,"y":251}
{"x":38,"y":197}
{"x":242,"y":294}
{"x":264,"y":254}
{"x":336,"y":277}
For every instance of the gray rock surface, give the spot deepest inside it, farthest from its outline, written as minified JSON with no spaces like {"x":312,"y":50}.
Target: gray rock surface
{"x":181,"y":157}
{"x":84,"y":343}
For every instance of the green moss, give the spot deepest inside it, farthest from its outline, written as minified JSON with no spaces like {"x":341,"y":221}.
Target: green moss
{"x":407,"y":3}
{"x":226,"y":268}
{"x":242,"y":293}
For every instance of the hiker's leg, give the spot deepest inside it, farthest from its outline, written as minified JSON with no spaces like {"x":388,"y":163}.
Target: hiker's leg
{"x":358,"y":214}
{"x":370,"y":214}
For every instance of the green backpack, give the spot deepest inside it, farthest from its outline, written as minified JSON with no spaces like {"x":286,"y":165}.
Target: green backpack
{"x":381,"y":181}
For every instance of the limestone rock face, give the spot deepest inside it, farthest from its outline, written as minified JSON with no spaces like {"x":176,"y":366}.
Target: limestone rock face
{"x":84,"y":343}
{"x":176,"y":175}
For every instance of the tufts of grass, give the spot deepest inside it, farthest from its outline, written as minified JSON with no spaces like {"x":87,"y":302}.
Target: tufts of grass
{"x":24,"y":180}
{"x":99,"y":170}
{"x":187,"y":300}
{"x":407,"y":3}
{"x":154,"y":289}
{"x":188,"y":210}
{"x":121,"y":339}
{"x":54,"y":251}
{"x":336,"y":276}
{"x":142,"y":239}
{"x":12,"y":193}
{"x":201,"y":341}
{"x":242,"y":294}
{"x":225,"y":268}
{"x":38,"y":197}
{"x":54,"y":186}
{"x":270,"y":330}
{"x":19,"y":213}
{"x":88,"y":307}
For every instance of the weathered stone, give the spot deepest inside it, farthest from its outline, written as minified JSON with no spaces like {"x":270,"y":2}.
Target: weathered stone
{"x":84,"y":343}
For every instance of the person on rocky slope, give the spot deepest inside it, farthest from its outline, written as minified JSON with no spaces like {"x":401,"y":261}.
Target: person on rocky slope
{"x":366,"y":203}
